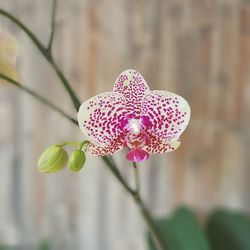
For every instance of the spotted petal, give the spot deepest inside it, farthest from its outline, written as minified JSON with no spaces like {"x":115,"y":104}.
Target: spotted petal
{"x":102,"y":118}
{"x":165,"y":114}
{"x":158,"y":145}
{"x":133,"y":87}
{"x":109,"y":149}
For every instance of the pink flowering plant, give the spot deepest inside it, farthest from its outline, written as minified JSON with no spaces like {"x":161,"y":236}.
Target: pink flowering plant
{"x":131,"y":116}
{"x":147,"y":122}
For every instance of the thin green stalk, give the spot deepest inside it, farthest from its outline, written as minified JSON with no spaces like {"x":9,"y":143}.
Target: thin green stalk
{"x":65,"y":83}
{"x":108,"y":160}
{"x":84,"y":145}
{"x":47,"y":56}
{"x":38,"y":97}
{"x":115,"y":171}
{"x":145,"y":213}
{"x":53,"y":18}
{"x":70,"y":143}
{"x":137,"y":178}
{"x":24,"y":28}
{"x":160,"y":243}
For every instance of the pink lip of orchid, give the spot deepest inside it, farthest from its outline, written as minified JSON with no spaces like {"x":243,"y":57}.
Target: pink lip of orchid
{"x":147,"y":122}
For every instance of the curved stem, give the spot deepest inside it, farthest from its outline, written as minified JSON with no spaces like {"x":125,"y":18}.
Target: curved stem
{"x":161,"y":245}
{"x":108,"y":160}
{"x":159,"y":242}
{"x":47,"y":56}
{"x":84,"y":145}
{"x":70,"y":143}
{"x":137,"y":178}
{"x":115,"y":171}
{"x":25,"y":29}
{"x":65,"y":83}
{"x":145,"y":213}
{"x":38,"y":97}
{"x":53,"y":17}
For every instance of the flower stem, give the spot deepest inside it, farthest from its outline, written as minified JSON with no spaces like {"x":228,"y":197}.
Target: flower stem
{"x":137,"y":178}
{"x":145,"y":213}
{"x":47,"y":55}
{"x":53,"y":17}
{"x":108,"y":160}
{"x":84,"y":145}
{"x":38,"y":97}
{"x":70,"y":143}
{"x":115,"y":171}
{"x":159,"y":242}
{"x":161,"y":245}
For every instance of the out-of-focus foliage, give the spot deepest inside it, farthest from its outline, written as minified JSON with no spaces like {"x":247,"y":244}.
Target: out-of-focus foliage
{"x":2,"y":247}
{"x":229,"y":231}
{"x":44,"y":245}
{"x":181,"y":232}
{"x":226,"y":230}
{"x":8,"y":55}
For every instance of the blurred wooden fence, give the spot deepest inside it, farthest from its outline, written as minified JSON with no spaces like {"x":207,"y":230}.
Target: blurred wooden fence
{"x":199,"y":49}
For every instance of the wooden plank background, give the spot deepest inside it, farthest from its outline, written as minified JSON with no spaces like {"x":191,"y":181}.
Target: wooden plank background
{"x":199,"y":49}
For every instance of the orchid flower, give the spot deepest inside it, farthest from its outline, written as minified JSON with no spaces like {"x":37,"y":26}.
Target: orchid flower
{"x":146,"y":122}
{"x":8,"y":55}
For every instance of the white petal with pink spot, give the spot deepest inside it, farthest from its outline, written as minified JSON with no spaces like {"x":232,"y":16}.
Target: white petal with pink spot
{"x":132,"y":116}
{"x":133,"y":87}
{"x":102,"y":117}
{"x":167,"y":114}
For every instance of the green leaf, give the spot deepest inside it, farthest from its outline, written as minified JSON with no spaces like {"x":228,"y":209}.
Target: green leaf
{"x":229,"y":231}
{"x":181,"y":232}
{"x":2,"y":247}
{"x":44,"y":245}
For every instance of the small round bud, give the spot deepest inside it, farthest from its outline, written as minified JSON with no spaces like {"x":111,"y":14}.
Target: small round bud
{"x":52,"y":159}
{"x":77,"y":160}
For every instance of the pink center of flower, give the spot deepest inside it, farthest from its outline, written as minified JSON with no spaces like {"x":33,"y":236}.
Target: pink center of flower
{"x":136,"y":139}
{"x":146,"y":122}
{"x":137,"y":155}
{"x":135,"y":126}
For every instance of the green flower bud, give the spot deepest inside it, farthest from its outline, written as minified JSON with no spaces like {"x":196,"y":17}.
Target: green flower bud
{"x":77,"y":160}
{"x":52,"y":159}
